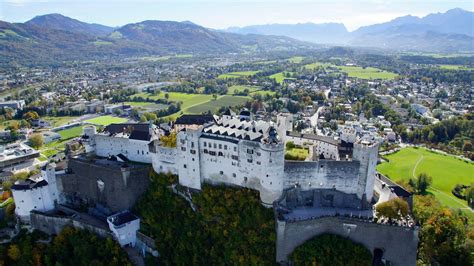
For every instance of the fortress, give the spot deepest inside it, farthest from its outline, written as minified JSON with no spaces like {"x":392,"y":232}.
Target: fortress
{"x":332,"y":191}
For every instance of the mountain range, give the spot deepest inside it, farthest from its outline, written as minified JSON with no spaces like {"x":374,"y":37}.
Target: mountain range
{"x":55,"y":38}
{"x":452,"y":31}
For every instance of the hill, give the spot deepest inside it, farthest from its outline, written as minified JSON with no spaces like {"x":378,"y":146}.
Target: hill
{"x":60,"y":22}
{"x":51,"y":39}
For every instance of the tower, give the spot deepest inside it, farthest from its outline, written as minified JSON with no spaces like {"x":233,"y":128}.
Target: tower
{"x":366,"y":153}
{"x":284,"y":124}
{"x":88,"y":137}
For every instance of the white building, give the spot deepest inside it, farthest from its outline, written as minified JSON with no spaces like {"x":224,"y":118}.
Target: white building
{"x":39,"y":194}
{"x":124,"y":226}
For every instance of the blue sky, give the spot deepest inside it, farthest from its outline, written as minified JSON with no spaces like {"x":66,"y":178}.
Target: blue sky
{"x":226,"y":13}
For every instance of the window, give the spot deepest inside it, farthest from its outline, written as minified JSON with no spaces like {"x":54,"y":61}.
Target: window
{"x":192,"y":151}
{"x":213,"y":153}
{"x":143,"y":153}
{"x":183,"y":148}
{"x":258,"y":154}
{"x":234,"y":175}
{"x":221,"y":172}
{"x":215,"y":146}
{"x":205,"y":150}
{"x":249,"y":151}
{"x":225,"y":147}
{"x":235,"y":148}
{"x":234,"y":157}
{"x":138,"y":152}
{"x":249,"y":160}
{"x":258,"y":163}
{"x":184,"y":166}
{"x":220,"y":154}
{"x":205,"y":144}
{"x":192,"y":144}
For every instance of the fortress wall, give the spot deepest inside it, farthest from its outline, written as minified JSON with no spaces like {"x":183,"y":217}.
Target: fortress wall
{"x":121,"y":186}
{"x":134,"y":150}
{"x":324,"y":174}
{"x":164,"y":160}
{"x":399,"y":244}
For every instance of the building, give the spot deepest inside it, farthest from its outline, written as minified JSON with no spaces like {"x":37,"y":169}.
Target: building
{"x":15,"y":105}
{"x":131,"y":141}
{"x":17,"y":156}
{"x":124,"y":226}
{"x":36,"y":194}
{"x":91,"y":181}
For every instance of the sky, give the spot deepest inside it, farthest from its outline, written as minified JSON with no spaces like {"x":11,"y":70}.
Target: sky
{"x":227,"y":13}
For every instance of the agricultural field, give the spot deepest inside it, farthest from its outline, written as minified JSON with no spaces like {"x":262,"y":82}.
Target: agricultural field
{"x":212,"y":105}
{"x":279,"y":77}
{"x":447,"y":171}
{"x":239,"y":74}
{"x":106,"y":120}
{"x":455,"y":67}
{"x":367,"y":73}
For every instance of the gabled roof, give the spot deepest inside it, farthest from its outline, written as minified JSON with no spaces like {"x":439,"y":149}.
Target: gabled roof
{"x":194,"y":119}
{"x":29,"y":184}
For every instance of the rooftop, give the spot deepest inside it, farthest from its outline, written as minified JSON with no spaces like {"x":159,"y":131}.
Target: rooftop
{"x":29,"y":184}
{"x":122,"y":218}
{"x":15,"y":150}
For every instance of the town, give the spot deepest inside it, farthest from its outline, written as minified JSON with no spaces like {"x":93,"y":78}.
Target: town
{"x":239,"y":158}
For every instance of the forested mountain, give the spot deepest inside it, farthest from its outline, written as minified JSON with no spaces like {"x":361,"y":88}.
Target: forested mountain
{"x":60,"y":22}
{"x":53,"y":38}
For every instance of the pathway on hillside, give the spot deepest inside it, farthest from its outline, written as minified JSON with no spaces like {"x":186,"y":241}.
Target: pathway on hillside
{"x":437,"y":190}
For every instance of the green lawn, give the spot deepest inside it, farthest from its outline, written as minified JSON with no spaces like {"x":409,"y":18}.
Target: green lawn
{"x":212,"y":105}
{"x":57,"y":121}
{"x":238,"y":74}
{"x":298,"y":152}
{"x":106,"y":120}
{"x":70,"y":132}
{"x":446,"y":171}
{"x":280,"y":76}
{"x":187,"y":99}
{"x":455,"y":67}
{"x":367,"y":73}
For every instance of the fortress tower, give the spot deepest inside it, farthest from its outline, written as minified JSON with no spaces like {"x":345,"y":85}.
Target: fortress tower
{"x":366,"y":153}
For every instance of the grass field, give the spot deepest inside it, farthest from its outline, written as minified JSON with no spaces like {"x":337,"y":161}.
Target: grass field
{"x":106,"y":120}
{"x":57,"y":121}
{"x":367,"y":73}
{"x":280,"y":76}
{"x":70,"y":132}
{"x":298,"y":152}
{"x":296,"y":59}
{"x":240,"y":88}
{"x":187,"y":99}
{"x":315,"y":65}
{"x":212,"y":105}
{"x":239,"y":74}
{"x":455,"y":67}
{"x":446,"y":171}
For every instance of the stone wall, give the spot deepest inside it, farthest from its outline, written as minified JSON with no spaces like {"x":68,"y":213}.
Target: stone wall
{"x":399,"y":244}
{"x":116,"y":186}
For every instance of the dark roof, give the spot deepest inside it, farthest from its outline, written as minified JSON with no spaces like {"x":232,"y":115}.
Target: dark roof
{"x":194,"y":119}
{"x":29,"y":184}
{"x":399,"y":191}
{"x":138,"y":131}
{"x":326,"y":139}
{"x":122,"y":218}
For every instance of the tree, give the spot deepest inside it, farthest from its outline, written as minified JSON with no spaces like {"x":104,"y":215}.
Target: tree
{"x":167,"y":96}
{"x":214,"y":96}
{"x":421,"y":183}
{"x":14,"y":253}
{"x":31,"y":115}
{"x":36,"y":140}
{"x":169,"y":141}
{"x":469,"y":193}
{"x":394,"y":209}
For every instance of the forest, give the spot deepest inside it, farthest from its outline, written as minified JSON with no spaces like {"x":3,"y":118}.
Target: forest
{"x":71,"y":247}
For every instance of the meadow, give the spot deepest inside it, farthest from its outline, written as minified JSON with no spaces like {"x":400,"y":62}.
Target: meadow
{"x":221,"y":101}
{"x":366,"y":73}
{"x":236,"y":89}
{"x":316,"y":65}
{"x":105,"y":120}
{"x":187,"y":99}
{"x":455,"y":67}
{"x":57,"y":121}
{"x":447,"y":171}
{"x":280,"y":76}
{"x":296,"y":59}
{"x":238,"y":74}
